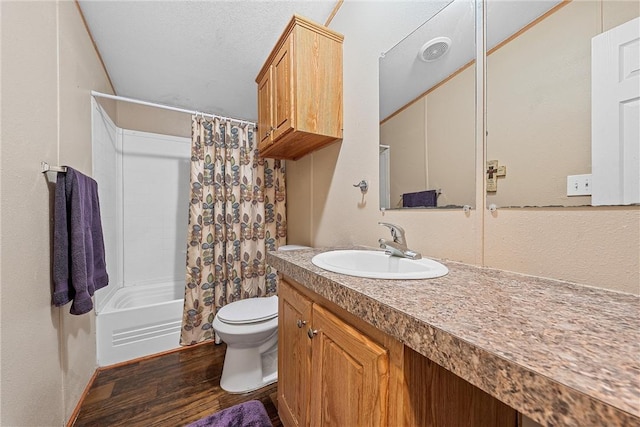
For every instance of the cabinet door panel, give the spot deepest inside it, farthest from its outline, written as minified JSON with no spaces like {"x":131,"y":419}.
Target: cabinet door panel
{"x":350,"y":378}
{"x":265,"y":119}
{"x":283,"y":89}
{"x":294,"y":359}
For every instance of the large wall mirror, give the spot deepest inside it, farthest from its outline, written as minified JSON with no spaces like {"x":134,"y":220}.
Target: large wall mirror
{"x":427,"y":113}
{"x":545,"y":132}
{"x":539,"y":100}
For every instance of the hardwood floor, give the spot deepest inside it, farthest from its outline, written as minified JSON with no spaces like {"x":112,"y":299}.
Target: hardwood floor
{"x":169,"y":390}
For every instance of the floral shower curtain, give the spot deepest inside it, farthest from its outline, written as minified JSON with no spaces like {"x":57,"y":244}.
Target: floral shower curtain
{"x":236,"y":213}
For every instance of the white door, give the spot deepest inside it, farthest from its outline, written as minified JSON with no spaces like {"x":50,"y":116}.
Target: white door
{"x":615,"y":115}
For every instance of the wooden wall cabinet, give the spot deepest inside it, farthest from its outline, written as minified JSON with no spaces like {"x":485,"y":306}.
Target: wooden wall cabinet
{"x":300,"y":91}
{"x":336,"y":370}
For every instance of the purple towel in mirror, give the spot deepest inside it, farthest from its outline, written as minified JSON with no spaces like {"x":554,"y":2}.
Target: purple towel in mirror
{"x":418,"y":199}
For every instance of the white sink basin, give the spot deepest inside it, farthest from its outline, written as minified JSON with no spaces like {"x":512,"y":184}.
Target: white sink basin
{"x":378,"y":265}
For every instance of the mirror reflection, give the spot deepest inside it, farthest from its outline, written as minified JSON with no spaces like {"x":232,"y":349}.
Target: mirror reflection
{"x":427,"y":112}
{"x":539,"y":104}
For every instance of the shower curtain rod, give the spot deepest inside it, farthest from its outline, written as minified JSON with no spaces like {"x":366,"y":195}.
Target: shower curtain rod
{"x":166,"y":107}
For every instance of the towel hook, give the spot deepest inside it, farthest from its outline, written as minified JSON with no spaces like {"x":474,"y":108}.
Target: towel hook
{"x":364,"y":186}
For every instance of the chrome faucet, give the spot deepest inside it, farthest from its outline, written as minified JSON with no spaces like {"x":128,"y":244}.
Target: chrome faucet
{"x":399,"y":245}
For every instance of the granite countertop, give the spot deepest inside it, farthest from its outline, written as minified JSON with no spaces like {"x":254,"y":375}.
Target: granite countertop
{"x":558,"y":352}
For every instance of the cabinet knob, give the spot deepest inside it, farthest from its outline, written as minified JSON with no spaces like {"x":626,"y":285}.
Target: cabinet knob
{"x":301,"y":323}
{"x":312,"y":333}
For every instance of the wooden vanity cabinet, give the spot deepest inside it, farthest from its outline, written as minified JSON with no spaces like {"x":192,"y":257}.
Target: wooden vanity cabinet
{"x":350,"y":375}
{"x":334,"y":369}
{"x":333,"y":373}
{"x":294,"y":370}
{"x":300,"y":91}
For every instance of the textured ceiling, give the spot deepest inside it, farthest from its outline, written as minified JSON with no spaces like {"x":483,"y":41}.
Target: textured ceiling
{"x":200,"y":55}
{"x":205,"y":55}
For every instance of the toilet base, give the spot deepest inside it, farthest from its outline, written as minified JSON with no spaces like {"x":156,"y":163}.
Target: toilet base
{"x":248,"y":369}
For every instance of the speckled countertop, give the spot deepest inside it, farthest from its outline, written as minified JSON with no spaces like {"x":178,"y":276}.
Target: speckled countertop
{"x":558,"y":352}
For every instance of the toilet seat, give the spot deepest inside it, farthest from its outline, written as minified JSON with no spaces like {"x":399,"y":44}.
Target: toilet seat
{"x":252,"y":310}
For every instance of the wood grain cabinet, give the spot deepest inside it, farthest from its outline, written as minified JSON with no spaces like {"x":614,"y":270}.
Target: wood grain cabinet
{"x":294,"y":369}
{"x":300,"y":91}
{"x":333,"y":373}
{"x":337,"y":370}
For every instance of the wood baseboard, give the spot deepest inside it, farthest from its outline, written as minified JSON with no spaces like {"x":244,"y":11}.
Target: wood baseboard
{"x":76,"y":410}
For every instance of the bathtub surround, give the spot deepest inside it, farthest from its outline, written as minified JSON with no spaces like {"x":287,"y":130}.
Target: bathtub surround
{"x":144,"y":188}
{"x":236,"y":213}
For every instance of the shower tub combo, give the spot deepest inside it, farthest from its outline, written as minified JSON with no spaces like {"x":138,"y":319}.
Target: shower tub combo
{"x":144,"y":193}
{"x":138,"y":321}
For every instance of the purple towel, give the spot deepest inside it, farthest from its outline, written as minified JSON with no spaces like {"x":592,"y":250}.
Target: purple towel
{"x":248,"y":414}
{"x":78,"y":248}
{"x":427,"y":198}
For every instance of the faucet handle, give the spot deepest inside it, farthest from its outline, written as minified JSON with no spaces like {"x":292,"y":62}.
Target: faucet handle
{"x":397,"y":232}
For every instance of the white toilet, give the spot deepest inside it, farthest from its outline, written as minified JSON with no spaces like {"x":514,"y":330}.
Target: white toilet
{"x":249,"y":327}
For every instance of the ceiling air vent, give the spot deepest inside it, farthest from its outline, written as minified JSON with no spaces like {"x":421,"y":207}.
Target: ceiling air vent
{"x":434,"y":49}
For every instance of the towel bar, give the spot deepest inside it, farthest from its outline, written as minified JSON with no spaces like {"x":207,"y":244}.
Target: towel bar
{"x":46,"y":168}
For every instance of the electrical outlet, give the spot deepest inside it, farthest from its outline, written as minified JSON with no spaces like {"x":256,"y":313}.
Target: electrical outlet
{"x":579,"y":185}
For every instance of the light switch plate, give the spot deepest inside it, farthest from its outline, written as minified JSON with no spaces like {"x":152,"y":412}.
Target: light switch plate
{"x":579,"y":185}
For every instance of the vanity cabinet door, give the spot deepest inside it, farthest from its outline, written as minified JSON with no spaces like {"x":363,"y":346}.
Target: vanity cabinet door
{"x":294,"y":360}
{"x":350,"y":375}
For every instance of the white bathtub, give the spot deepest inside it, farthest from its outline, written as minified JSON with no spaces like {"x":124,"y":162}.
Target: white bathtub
{"x":138,"y":321}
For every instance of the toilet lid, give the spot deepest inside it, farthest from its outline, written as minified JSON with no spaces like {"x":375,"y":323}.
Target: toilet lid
{"x":249,"y":310}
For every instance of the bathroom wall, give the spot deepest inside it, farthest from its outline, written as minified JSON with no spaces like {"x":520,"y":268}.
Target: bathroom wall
{"x":593,"y":246}
{"x":49,"y":66}
{"x":150,"y":119}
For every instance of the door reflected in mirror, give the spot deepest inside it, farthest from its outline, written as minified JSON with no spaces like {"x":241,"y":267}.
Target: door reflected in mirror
{"x":427,"y":112}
